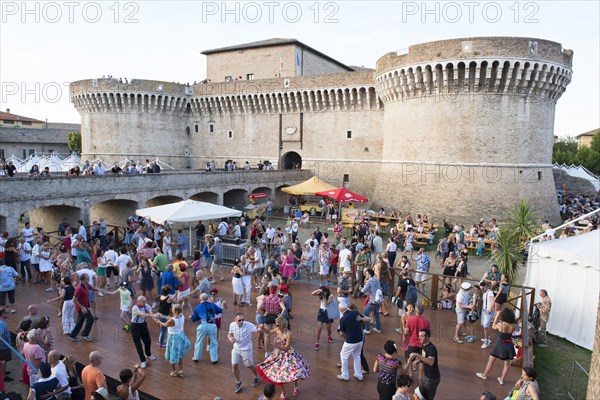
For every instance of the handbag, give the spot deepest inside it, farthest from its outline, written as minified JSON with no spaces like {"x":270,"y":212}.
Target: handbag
{"x":333,"y":312}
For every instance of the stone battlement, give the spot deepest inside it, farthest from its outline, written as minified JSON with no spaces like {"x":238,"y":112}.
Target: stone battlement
{"x":479,"y":47}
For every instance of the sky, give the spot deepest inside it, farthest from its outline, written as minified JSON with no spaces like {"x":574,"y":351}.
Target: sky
{"x":46,"y":45}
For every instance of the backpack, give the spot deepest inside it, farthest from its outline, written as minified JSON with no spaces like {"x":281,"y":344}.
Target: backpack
{"x":411,"y":294}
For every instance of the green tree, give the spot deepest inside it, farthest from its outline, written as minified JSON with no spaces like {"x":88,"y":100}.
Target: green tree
{"x":564,"y":150}
{"x":74,"y":141}
{"x":589,"y":158}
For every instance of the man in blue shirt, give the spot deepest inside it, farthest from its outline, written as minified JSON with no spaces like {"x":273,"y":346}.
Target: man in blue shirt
{"x":371,"y":287}
{"x":168,"y":278}
{"x":182,"y":243}
{"x":351,"y":330}
{"x":204,"y":314}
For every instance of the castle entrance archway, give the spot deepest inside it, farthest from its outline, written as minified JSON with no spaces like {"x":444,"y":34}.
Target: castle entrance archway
{"x":291,"y":160}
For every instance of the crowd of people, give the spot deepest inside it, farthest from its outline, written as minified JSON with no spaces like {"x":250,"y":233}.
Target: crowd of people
{"x":149,"y":272}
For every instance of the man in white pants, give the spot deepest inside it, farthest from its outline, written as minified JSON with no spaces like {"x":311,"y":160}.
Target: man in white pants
{"x":240,"y":335}
{"x":351,"y":330}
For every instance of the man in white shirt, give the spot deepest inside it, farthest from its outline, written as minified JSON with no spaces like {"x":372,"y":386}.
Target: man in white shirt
{"x":123,"y":262}
{"x":222,"y":229}
{"x":487,"y":312}
{"x":111,"y":261}
{"x":462,"y":307}
{"x":35,"y":258}
{"x":59,"y":371}
{"x":345,"y":258}
{"x":377,"y":245}
{"x":81,"y":231}
{"x":240,"y":335}
{"x":27,"y":233}
{"x":24,"y":258}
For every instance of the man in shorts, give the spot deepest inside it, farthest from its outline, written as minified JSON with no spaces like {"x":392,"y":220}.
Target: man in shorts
{"x":240,"y":335}
{"x":462,"y":307}
{"x":487,"y":312}
{"x":423,"y":263}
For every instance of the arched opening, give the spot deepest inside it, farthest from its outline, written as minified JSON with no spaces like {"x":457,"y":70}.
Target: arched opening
{"x":51,"y":217}
{"x":162,"y":200}
{"x":207,"y":197}
{"x":235,"y":198}
{"x":291,"y":160}
{"x":115,"y":212}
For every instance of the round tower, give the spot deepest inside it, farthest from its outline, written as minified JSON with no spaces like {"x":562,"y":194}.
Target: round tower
{"x":142,"y":119}
{"x":468,"y":126}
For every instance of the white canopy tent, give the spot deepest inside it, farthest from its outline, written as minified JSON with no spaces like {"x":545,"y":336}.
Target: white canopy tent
{"x":187,"y":211}
{"x":579,"y":171}
{"x":569,"y":269}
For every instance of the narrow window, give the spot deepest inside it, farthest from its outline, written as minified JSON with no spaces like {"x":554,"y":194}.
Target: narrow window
{"x":346,"y":178}
{"x":195,"y":128}
{"x":211,"y":128}
{"x":229,"y":134}
{"x":348,"y":134}
{"x":539,"y":175}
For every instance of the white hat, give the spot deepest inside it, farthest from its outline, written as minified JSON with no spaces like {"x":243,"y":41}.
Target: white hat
{"x":466,"y":285}
{"x":347,"y":269}
{"x":217,"y":239}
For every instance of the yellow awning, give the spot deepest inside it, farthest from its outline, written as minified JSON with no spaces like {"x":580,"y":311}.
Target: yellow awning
{"x":309,"y":187}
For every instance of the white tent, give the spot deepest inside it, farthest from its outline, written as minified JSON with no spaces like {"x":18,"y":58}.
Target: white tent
{"x":187,"y":211}
{"x":580,"y":172}
{"x":569,"y":269}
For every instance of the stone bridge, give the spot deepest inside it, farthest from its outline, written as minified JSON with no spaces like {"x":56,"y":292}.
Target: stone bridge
{"x":115,"y":197}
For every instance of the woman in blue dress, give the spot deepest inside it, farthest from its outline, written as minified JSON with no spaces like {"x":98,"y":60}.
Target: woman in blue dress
{"x":177,"y":343}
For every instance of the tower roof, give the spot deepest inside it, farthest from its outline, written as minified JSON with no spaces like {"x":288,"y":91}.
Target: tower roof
{"x":274,"y":42}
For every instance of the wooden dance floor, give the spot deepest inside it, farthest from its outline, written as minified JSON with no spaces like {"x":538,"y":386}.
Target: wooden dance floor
{"x":458,"y":362}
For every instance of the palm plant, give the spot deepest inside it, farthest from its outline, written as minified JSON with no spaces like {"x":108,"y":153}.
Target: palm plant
{"x":508,"y":256}
{"x":521,"y":223}
{"x":512,"y":239}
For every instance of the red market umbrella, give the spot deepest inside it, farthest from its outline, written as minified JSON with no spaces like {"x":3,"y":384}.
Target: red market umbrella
{"x":342,"y":195}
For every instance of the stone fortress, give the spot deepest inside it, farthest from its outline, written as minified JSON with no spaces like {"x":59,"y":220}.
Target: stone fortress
{"x":459,"y":128}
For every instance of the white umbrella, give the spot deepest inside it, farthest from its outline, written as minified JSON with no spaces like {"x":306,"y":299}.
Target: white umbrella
{"x":187,"y":211}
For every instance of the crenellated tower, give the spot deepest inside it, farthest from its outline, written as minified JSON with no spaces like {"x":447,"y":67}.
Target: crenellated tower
{"x":468,"y":124}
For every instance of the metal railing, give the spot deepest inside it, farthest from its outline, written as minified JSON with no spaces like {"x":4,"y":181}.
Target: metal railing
{"x":578,"y":382}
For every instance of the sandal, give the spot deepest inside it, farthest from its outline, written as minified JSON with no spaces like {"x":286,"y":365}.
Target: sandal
{"x":457,"y":340}
{"x":386,"y":314}
{"x":173,"y":373}
{"x":180,"y":374}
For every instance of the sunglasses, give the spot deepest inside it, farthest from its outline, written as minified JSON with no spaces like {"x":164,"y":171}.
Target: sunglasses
{"x":240,"y":320}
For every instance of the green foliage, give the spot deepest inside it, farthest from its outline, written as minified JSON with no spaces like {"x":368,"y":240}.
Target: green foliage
{"x":566,"y":151}
{"x":508,"y":256}
{"x":513,"y":236}
{"x":74,"y":141}
{"x":521,"y":223}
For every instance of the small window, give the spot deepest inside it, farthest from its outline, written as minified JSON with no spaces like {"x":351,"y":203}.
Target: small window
{"x":24,"y":154}
{"x":31,"y":152}
{"x":9,"y":122}
{"x":249,"y":77}
{"x":346,"y":178}
{"x":211,"y":128}
{"x":229,"y":134}
{"x":50,"y":151}
{"x":348,"y":134}
{"x":195,"y":128}
{"x":27,"y":123}
{"x":539,"y":175}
